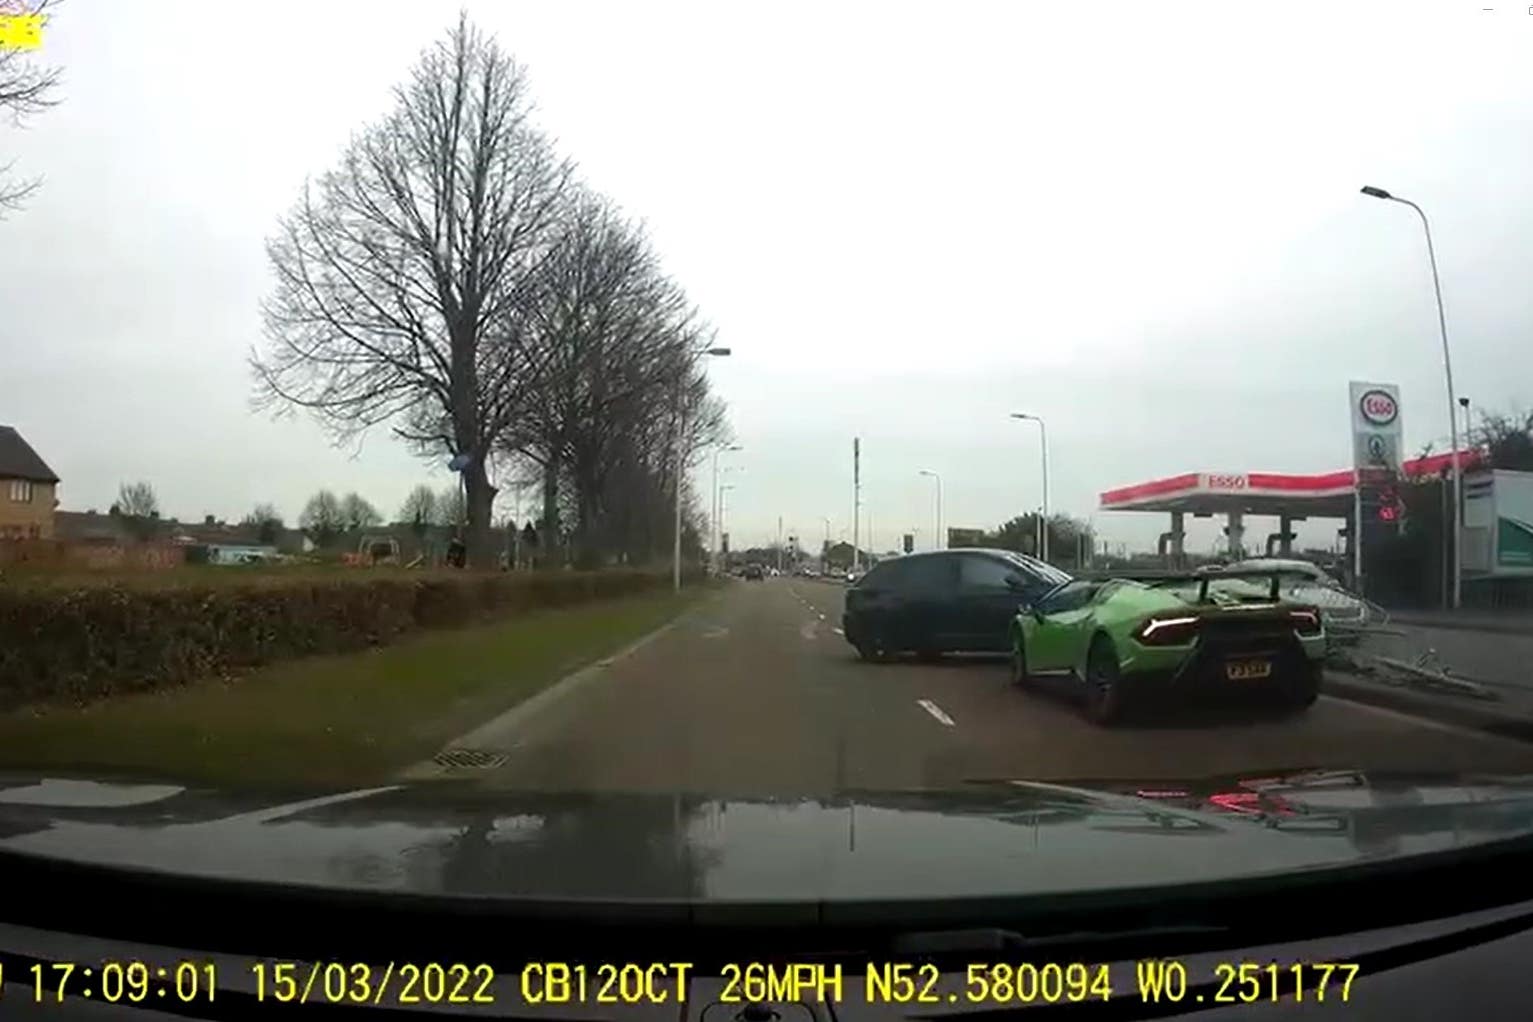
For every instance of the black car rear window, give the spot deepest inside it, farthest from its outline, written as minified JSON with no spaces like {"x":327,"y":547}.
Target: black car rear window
{"x":979,"y":572}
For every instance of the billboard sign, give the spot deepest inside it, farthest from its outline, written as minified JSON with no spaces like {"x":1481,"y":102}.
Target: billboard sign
{"x":1376,"y":434}
{"x":965,"y":537}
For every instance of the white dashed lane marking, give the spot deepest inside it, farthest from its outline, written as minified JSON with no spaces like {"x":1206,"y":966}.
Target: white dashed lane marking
{"x":936,"y":712}
{"x":838,"y":631}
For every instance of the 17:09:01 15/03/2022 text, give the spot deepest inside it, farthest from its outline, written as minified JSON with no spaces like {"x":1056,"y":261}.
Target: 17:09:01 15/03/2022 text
{"x":633,"y":983}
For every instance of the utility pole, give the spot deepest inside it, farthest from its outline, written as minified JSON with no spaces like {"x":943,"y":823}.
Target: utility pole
{"x":779,"y":542}
{"x":856,"y":497}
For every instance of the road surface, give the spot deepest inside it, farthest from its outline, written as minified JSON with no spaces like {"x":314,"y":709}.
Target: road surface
{"x":755,"y":692}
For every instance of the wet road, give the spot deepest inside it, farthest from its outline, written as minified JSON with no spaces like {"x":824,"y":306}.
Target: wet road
{"x":756,"y":692}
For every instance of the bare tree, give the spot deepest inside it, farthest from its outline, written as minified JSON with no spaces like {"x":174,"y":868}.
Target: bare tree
{"x":615,"y":345}
{"x":322,"y":518}
{"x":450,"y":508}
{"x":419,"y":507}
{"x":137,"y":500}
{"x":358,"y":513}
{"x":25,"y":89}
{"x":266,"y":520}
{"x":398,"y":274}
{"x":1507,"y":439}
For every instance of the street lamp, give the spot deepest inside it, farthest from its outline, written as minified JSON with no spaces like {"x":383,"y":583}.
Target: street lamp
{"x":938,"y":540}
{"x":1442,"y":325}
{"x":1043,"y":442}
{"x":681,"y":474}
{"x":723,"y":508}
{"x":714,"y":518}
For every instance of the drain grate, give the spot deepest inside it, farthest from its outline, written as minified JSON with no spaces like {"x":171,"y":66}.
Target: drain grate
{"x":469,"y":759}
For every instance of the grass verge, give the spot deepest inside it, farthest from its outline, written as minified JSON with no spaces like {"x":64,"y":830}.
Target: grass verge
{"x":331,"y":720}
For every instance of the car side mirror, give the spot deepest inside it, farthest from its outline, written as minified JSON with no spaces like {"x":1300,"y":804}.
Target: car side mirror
{"x":1030,"y":610}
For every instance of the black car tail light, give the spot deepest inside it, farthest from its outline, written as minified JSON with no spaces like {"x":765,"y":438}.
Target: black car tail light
{"x":1306,"y":622}
{"x":1168,"y":631}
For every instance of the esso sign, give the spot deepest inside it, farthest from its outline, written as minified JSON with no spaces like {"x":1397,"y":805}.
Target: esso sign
{"x":1378,"y":407}
{"x":1226,"y":482}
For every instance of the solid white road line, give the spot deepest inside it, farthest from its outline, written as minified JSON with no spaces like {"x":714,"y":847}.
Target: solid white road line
{"x":936,"y":712}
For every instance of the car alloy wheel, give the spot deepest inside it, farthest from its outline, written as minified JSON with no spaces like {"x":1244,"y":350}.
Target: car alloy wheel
{"x":1104,"y":689}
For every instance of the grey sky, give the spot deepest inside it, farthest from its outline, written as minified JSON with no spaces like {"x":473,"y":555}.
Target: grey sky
{"x":1140,"y":221}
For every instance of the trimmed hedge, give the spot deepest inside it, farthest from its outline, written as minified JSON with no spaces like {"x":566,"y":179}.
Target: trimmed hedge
{"x":77,"y":643}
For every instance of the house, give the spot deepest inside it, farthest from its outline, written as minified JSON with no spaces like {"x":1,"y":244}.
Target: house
{"x":27,"y":488}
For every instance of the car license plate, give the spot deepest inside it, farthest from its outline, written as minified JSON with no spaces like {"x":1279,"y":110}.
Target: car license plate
{"x":1244,"y":670}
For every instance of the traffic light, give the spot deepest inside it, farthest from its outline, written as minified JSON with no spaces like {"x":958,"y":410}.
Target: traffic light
{"x":1391,"y":509}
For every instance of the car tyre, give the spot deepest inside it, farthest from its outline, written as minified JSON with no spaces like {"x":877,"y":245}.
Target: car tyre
{"x":1303,"y":693}
{"x":1104,"y":684}
{"x":1019,"y":675}
{"x":872,"y":651}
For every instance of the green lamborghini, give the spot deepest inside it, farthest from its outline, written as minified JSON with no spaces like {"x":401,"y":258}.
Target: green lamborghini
{"x":1124,"y":641}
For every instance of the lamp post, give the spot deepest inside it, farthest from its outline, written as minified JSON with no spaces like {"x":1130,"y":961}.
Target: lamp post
{"x":1043,"y":443}
{"x":1442,"y":326}
{"x":681,"y":473}
{"x":723,"y":510}
{"x":938,"y":540}
{"x":714,"y":517}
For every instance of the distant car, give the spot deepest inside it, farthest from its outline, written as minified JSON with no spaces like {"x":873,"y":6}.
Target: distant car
{"x":1121,"y":641}
{"x":753,"y":572}
{"x":943,"y":601}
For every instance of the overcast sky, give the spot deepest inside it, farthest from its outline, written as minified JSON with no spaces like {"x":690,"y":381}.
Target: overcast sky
{"x":1139,"y":221}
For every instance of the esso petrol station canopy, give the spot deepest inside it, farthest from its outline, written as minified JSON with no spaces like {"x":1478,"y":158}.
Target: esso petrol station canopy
{"x":1329,"y":495}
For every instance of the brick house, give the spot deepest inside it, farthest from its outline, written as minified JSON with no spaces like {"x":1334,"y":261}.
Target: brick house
{"x":27,"y":488}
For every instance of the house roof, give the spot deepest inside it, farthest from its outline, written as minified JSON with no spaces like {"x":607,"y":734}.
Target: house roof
{"x":87,"y":526}
{"x":19,"y":461}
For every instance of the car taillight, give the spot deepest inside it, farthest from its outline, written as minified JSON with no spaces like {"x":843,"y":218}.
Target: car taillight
{"x":1168,"y":631}
{"x":1305,"y":622}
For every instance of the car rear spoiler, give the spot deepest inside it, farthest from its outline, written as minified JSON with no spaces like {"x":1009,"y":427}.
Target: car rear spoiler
{"x":1274,"y":575}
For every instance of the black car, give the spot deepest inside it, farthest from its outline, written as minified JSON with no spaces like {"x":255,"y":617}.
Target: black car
{"x":943,"y":601}
{"x":754,"y":572}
